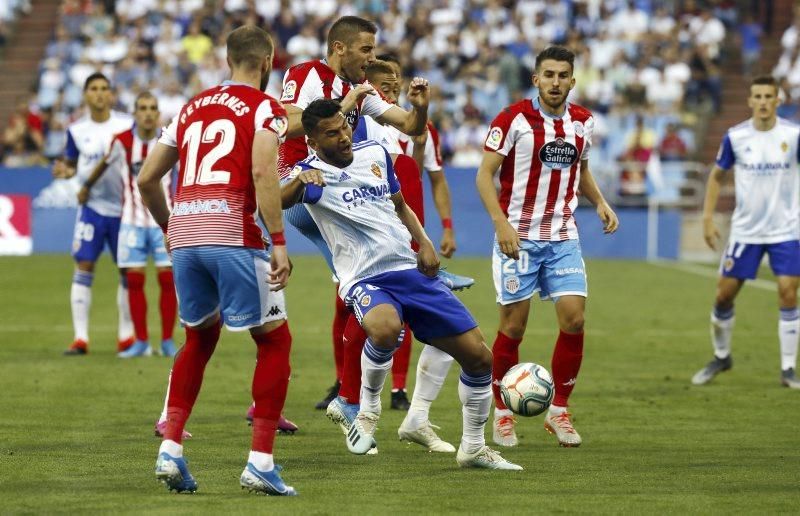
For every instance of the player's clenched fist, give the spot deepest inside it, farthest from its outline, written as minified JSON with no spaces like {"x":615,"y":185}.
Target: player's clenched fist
{"x":311,"y":176}
{"x":508,"y":239}
{"x":427,"y":259}
{"x":356,"y":95}
{"x":419,"y":92}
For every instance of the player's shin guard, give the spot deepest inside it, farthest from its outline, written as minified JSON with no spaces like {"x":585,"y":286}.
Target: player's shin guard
{"x":475,"y":393}
{"x":340,"y":317}
{"x":722,"y":320}
{"x":505,"y":352}
{"x":187,"y":377}
{"x":167,"y":303}
{"x":125,"y":328}
{"x":402,"y":356}
{"x":354,"y":338}
{"x":789,"y":333}
{"x":432,"y":369}
{"x":375,"y":365}
{"x":566,"y":363}
{"x":80,"y":298}
{"x":138,"y":304}
{"x":270,"y":383}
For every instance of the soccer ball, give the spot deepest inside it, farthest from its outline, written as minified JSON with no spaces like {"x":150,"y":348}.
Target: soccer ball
{"x":527,"y":389}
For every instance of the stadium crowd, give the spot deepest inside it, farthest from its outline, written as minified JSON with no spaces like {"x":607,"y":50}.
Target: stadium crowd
{"x":645,"y":67}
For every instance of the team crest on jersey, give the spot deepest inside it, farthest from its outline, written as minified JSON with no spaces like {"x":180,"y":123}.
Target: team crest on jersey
{"x":289,"y":89}
{"x":784,"y":146}
{"x":558,"y":154}
{"x":366,"y":300}
{"x":494,"y":138}
{"x":376,"y":170}
{"x":296,"y":171}
{"x":512,"y":284}
{"x":579,"y":130}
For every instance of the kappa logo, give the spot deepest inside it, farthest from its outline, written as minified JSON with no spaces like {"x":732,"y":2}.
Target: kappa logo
{"x":289,"y":90}
{"x":494,"y":138}
{"x":376,"y":170}
{"x":274,"y":311}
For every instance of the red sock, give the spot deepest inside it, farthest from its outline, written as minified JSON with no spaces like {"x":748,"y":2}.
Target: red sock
{"x":138,"y":304}
{"x":167,"y":303}
{"x":565,"y":366}
{"x":187,"y":377}
{"x":270,"y":383}
{"x":354,"y":338}
{"x":402,"y":356}
{"x":505,"y":351}
{"x":337,"y":332}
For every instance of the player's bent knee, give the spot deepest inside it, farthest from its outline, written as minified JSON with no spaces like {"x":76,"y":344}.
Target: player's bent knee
{"x":514,"y":330}
{"x":85,"y":266}
{"x":573,"y":324}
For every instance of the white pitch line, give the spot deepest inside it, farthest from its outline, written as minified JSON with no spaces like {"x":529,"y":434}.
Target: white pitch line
{"x":699,"y":270}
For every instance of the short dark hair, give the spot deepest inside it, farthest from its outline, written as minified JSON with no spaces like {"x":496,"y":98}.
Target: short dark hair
{"x":766,"y":80}
{"x":248,"y":46}
{"x":143,"y":95}
{"x":389,"y":57}
{"x":95,"y":77}
{"x":556,"y":53}
{"x":347,"y":28}
{"x":378,"y":67}
{"x":318,"y":110}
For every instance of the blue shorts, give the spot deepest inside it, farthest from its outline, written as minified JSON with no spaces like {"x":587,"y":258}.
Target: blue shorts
{"x":553,"y":269}
{"x":741,"y":261}
{"x":426,"y":304}
{"x":231,"y":280}
{"x":299,"y":217}
{"x":92,"y":231}
{"x":137,"y":243}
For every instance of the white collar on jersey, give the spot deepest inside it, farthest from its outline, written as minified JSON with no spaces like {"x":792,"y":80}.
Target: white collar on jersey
{"x":538,"y":106}
{"x":228,"y":82}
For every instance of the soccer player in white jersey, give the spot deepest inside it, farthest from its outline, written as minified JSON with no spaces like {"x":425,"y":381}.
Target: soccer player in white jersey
{"x":355,"y":199}
{"x":541,"y":147}
{"x":139,"y":235}
{"x":763,"y":153}
{"x":98,"y":219}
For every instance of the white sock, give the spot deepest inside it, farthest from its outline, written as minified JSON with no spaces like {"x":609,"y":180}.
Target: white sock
{"x":432,"y":368}
{"x":163,"y":416}
{"x":262,"y":461}
{"x":125,"y":328}
{"x":80,"y":298}
{"x":171,"y":448}
{"x":556,"y":410}
{"x":475,"y":393}
{"x":721,"y":331}
{"x":788,"y":333}
{"x":375,"y":366}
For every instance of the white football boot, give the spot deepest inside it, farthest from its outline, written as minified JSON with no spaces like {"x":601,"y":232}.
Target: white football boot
{"x":425,"y":436}
{"x":485,"y":458}
{"x":561,"y":426}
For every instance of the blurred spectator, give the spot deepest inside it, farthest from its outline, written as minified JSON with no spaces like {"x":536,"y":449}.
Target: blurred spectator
{"x":672,"y":146}
{"x":23,"y":137}
{"x":750,"y":34}
{"x":640,"y":144}
{"x":196,"y":44}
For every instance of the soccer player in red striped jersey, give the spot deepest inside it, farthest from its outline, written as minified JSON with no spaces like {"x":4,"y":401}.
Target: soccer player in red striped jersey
{"x":226,"y":139}
{"x":541,"y":147}
{"x":341,"y":76}
{"x":139,"y":235}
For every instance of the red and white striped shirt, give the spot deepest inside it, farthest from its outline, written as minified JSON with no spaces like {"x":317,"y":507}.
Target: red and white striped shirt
{"x":215,"y":201}
{"x":127,"y":154}
{"x":312,"y":80}
{"x":541,"y":170}
{"x":432,"y":159}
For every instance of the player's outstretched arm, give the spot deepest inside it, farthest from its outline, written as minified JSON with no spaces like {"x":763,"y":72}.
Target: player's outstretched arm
{"x":159,"y":162}
{"x":268,"y":197}
{"x":507,"y":236}
{"x":590,"y":190}
{"x":292,"y":191}
{"x":427,"y":259}
{"x":414,"y":122}
{"x":713,"y":187}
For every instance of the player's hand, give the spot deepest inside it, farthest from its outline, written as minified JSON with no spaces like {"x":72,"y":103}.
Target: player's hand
{"x":710,"y":233}
{"x":312,"y":176}
{"x":608,"y":218}
{"x":447,"y":245}
{"x":61,"y":170}
{"x":419,"y":92}
{"x":83,"y":195}
{"x":420,"y":140}
{"x":281,"y":268}
{"x":356,"y":95}
{"x":508,"y":239}
{"x":427,"y":259}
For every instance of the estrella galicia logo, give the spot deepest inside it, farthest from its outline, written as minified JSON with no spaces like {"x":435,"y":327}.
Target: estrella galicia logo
{"x":558,"y":154}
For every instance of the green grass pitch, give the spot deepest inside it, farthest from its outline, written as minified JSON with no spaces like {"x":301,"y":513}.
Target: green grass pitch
{"x":76,"y":433}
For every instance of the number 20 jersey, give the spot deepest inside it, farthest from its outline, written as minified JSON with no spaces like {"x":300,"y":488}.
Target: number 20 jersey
{"x":215,"y":201}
